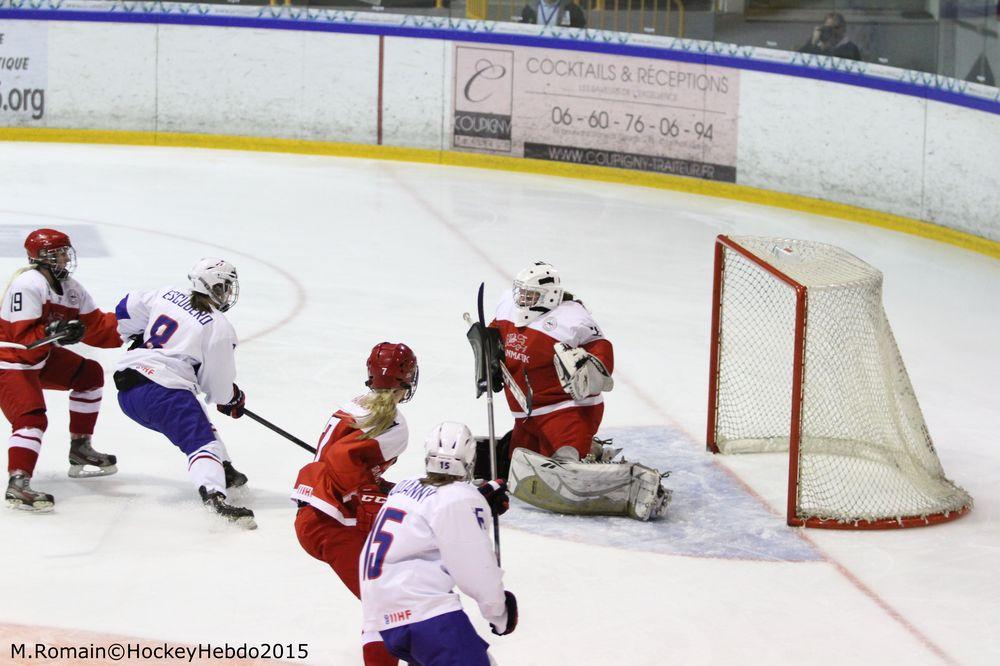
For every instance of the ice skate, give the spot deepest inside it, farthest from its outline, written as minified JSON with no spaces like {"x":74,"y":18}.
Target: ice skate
{"x":234,"y":477}
{"x":234,"y":514}
{"x":19,"y":495}
{"x":602,"y":451}
{"x":85,"y":462}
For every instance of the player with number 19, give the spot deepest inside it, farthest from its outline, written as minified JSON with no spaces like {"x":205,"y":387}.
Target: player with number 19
{"x":183,"y":344}
{"x":43,"y":299}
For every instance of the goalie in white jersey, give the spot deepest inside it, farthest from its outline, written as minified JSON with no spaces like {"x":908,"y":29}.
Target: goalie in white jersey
{"x":185,"y":345}
{"x":431,"y":536}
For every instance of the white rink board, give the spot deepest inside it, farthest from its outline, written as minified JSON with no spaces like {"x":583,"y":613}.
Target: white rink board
{"x":870,"y":148}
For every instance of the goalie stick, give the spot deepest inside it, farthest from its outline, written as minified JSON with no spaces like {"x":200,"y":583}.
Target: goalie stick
{"x":267,"y":424}
{"x":523,"y":398}
{"x":483,"y":352}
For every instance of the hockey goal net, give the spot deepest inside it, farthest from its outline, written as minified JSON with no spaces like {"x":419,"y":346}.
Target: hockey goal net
{"x":803,"y":360}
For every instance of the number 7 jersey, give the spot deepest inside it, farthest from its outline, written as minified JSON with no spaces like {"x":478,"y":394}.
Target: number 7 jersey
{"x":178,"y":346}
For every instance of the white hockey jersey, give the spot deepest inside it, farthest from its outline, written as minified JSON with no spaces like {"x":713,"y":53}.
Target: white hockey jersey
{"x":426,"y":541}
{"x":181,"y":348}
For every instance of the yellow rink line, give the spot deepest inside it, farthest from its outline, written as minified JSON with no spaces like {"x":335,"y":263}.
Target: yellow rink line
{"x":604,"y":174}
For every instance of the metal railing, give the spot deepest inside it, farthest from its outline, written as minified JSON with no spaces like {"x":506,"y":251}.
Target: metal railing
{"x":645,"y":16}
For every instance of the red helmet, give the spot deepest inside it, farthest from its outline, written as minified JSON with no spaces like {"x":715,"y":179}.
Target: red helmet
{"x":393,"y":366}
{"x":53,"y":250}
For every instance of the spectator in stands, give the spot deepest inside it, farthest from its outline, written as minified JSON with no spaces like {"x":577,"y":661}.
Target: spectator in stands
{"x":830,"y":39}
{"x":554,"y":13}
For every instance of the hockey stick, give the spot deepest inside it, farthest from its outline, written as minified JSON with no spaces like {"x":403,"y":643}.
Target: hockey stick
{"x":487,"y":354}
{"x":55,"y":337}
{"x":523,"y":398}
{"x":267,"y":424}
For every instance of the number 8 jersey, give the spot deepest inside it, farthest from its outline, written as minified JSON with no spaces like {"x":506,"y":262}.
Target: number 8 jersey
{"x":177,"y":346}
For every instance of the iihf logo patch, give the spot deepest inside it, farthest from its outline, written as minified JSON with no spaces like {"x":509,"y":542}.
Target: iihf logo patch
{"x":549,"y":324}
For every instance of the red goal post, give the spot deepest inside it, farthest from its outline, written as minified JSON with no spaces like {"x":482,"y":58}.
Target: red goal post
{"x":803,"y":360}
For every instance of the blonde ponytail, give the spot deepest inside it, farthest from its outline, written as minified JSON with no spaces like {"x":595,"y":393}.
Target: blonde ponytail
{"x":19,"y":272}
{"x":381,"y":403}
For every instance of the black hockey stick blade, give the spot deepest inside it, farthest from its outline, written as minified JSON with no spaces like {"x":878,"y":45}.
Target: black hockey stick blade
{"x":267,"y":424}
{"x":479,"y":303}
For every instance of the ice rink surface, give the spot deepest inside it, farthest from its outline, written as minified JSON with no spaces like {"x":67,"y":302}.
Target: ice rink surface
{"x":338,"y":254}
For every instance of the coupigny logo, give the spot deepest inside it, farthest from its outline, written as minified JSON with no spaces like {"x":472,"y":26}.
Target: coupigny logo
{"x":487,"y":70}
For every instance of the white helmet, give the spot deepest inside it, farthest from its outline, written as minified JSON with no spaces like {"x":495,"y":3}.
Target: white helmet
{"x":450,"y":449}
{"x":217,"y":279}
{"x":537,"y":289}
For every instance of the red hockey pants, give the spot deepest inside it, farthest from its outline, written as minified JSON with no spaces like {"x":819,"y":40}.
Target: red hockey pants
{"x":23,"y":403}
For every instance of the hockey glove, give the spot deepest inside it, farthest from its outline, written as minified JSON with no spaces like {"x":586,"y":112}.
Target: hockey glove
{"x":495,"y":494}
{"x":370,"y":501}
{"x":511,"y":602}
{"x":580,"y":373}
{"x":71,"y":331}
{"x":235,"y":407}
{"x":488,"y":351}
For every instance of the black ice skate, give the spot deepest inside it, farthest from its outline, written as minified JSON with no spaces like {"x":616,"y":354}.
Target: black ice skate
{"x":234,"y":477}
{"x":235,"y":514}
{"x":85,"y":462}
{"x":19,"y":495}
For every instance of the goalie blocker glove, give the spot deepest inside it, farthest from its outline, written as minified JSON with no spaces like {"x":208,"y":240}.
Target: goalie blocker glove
{"x":235,"y":407}
{"x":71,"y":331}
{"x":580,"y":373}
{"x":486,"y":345}
{"x":510,"y":601}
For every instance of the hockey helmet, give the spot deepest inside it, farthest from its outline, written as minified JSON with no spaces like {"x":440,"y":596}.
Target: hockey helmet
{"x":450,"y":449}
{"x":393,"y":366}
{"x":51,"y":249}
{"x":537,"y":289}
{"x":217,"y":279}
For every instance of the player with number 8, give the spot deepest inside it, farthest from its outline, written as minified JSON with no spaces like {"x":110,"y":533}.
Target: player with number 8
{"x":183,"y":344}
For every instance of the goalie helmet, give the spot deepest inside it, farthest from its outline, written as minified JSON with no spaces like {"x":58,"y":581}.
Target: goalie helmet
{"x":393,"y":366}
{"x":51,"y":249}
{"x":537,"y":289}
{"x":217,"y":279}
{"x":451,"y":450}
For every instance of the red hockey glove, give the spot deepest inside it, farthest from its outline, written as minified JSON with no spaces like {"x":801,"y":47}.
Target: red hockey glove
{"x":511,"y":602}
{"x":236,"y":406}
{"x":370,"y":501}
{"x":495,"y":494}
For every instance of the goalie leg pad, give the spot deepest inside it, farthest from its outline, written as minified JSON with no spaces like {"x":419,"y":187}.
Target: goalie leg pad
{"x":617,"y":489}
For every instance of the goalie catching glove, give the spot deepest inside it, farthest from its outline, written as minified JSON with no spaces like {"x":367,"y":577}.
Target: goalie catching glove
{"x":71,"y":331}
{"x":581,"y":374}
